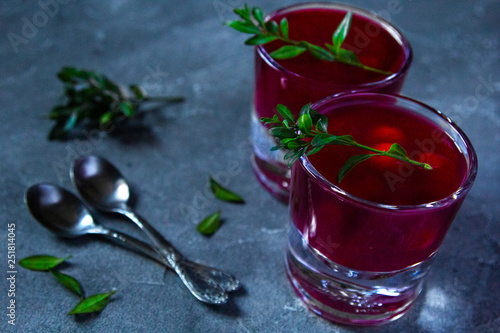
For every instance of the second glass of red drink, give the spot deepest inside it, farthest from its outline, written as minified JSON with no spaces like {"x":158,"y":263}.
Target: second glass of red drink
{"x":305,"y":79}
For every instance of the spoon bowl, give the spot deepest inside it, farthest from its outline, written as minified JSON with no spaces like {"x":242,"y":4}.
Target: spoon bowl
{"x":100,"y":183}
{"x":59,"y":210}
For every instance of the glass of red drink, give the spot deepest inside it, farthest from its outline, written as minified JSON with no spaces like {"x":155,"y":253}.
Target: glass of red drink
{"x":358,"y":250}
{"x":304,"y":79}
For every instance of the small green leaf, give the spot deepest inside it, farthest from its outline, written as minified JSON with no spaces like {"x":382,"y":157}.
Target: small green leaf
{"x":285,"y":113}
{"x":314,"y":150}
{"x":210,"y":224}
{"x":127,"y":109}
{"x":70,"y":74}
{"x":266,"y":120}
{"x":69,"y":282}
{"x":346,"y":140}
{"x":41,"y":262}
{"x":272,"y":27}
{"x":57,"y":131}
{"x":396,"y":149}
{"x":287,"y":52}
{"x":243,"y":13}
{"x":306,"y":109}
{"x":348,"y":57}
{"x":245,"y":27}
{"x":322,"y":125}
{"x":351,"y":163}
{"x":260,"y":39}
{"x":319,"y":52}
{"x":277,"y":147}
{"x":282,"y":133}
{"x":318,"y":119}
{"x":293,"y":156}
{"x":284,"y":27}
{"x":71,"y":122}
{"x":270,"y":121}
{"x":92,"y":304}
{"x":305,"y":123}
{"x":137,"y":91}
{"x":60,"y":112}
{"x":106,"y":118}
{"x":257,"y":14}
{"x":223,"y":193}
{"x":296,"y":145}
{"x":341,"y":32}
{"x":322,"y":139}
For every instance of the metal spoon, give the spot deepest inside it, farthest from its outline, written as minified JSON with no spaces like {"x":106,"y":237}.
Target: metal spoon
{"x":64,"y":214}
{"x":104,"y":188}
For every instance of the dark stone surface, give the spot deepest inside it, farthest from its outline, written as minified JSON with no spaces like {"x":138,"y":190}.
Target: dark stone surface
{"x":168,"y":160}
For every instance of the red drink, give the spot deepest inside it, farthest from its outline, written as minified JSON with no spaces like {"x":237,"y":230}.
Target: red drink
{"x":377,"y":230}
{"x":305,"y":79}
{"x":317,"y":79}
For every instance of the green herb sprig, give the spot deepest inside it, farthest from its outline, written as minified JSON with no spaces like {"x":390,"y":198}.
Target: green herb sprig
{"x":47,"y":263}
{"x":309,"y":134}
{"x":265,"y":32}
{"x":89,"y":95}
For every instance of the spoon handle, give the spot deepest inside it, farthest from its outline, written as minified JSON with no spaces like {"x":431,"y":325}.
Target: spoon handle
{"x":226,"y":281}
{"x":131,"y":243}
{"x":202,"y":285}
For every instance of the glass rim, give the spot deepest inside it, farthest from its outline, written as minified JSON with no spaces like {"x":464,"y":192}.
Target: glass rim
{"x":459,"y":193}
{"x":386,"y":25}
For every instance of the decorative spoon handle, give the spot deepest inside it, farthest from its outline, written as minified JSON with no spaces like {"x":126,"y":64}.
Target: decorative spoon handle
{"x":202,"y":281}
{"x":226,"y":281}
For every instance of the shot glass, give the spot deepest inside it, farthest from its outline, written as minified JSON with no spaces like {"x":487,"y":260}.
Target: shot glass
{"x":361,"y":258}
{"x":304,"y":79}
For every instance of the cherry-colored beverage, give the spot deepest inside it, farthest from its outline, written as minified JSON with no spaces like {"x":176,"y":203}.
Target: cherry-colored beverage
{"x":375,"y":47}
{"x":383,"y":180}
{"x":378,"y":229}
{"x":306,"y":79}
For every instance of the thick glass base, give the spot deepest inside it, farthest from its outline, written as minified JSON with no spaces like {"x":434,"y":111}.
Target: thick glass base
{"x":268,"y":165}
{"x":342,"y":295}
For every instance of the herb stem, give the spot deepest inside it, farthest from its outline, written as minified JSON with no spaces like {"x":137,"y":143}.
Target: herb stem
{"x":301,"y":43}
{"x":386,"y":153}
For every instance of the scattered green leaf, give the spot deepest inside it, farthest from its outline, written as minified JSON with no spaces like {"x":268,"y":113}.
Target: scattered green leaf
{"x":223,"y":193}
{"x":41,"y":262}
{"x":69,"y":282}
{"x":210,"y":224}
{"x":93,"y":303}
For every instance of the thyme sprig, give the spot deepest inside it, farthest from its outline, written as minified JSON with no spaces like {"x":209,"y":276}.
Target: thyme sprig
{"x":89,"y":95}
{"x":267,"y":31}
{"x":309,"y":134}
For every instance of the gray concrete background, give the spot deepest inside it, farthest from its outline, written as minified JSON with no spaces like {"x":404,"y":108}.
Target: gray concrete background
{"x":181,"y":47}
